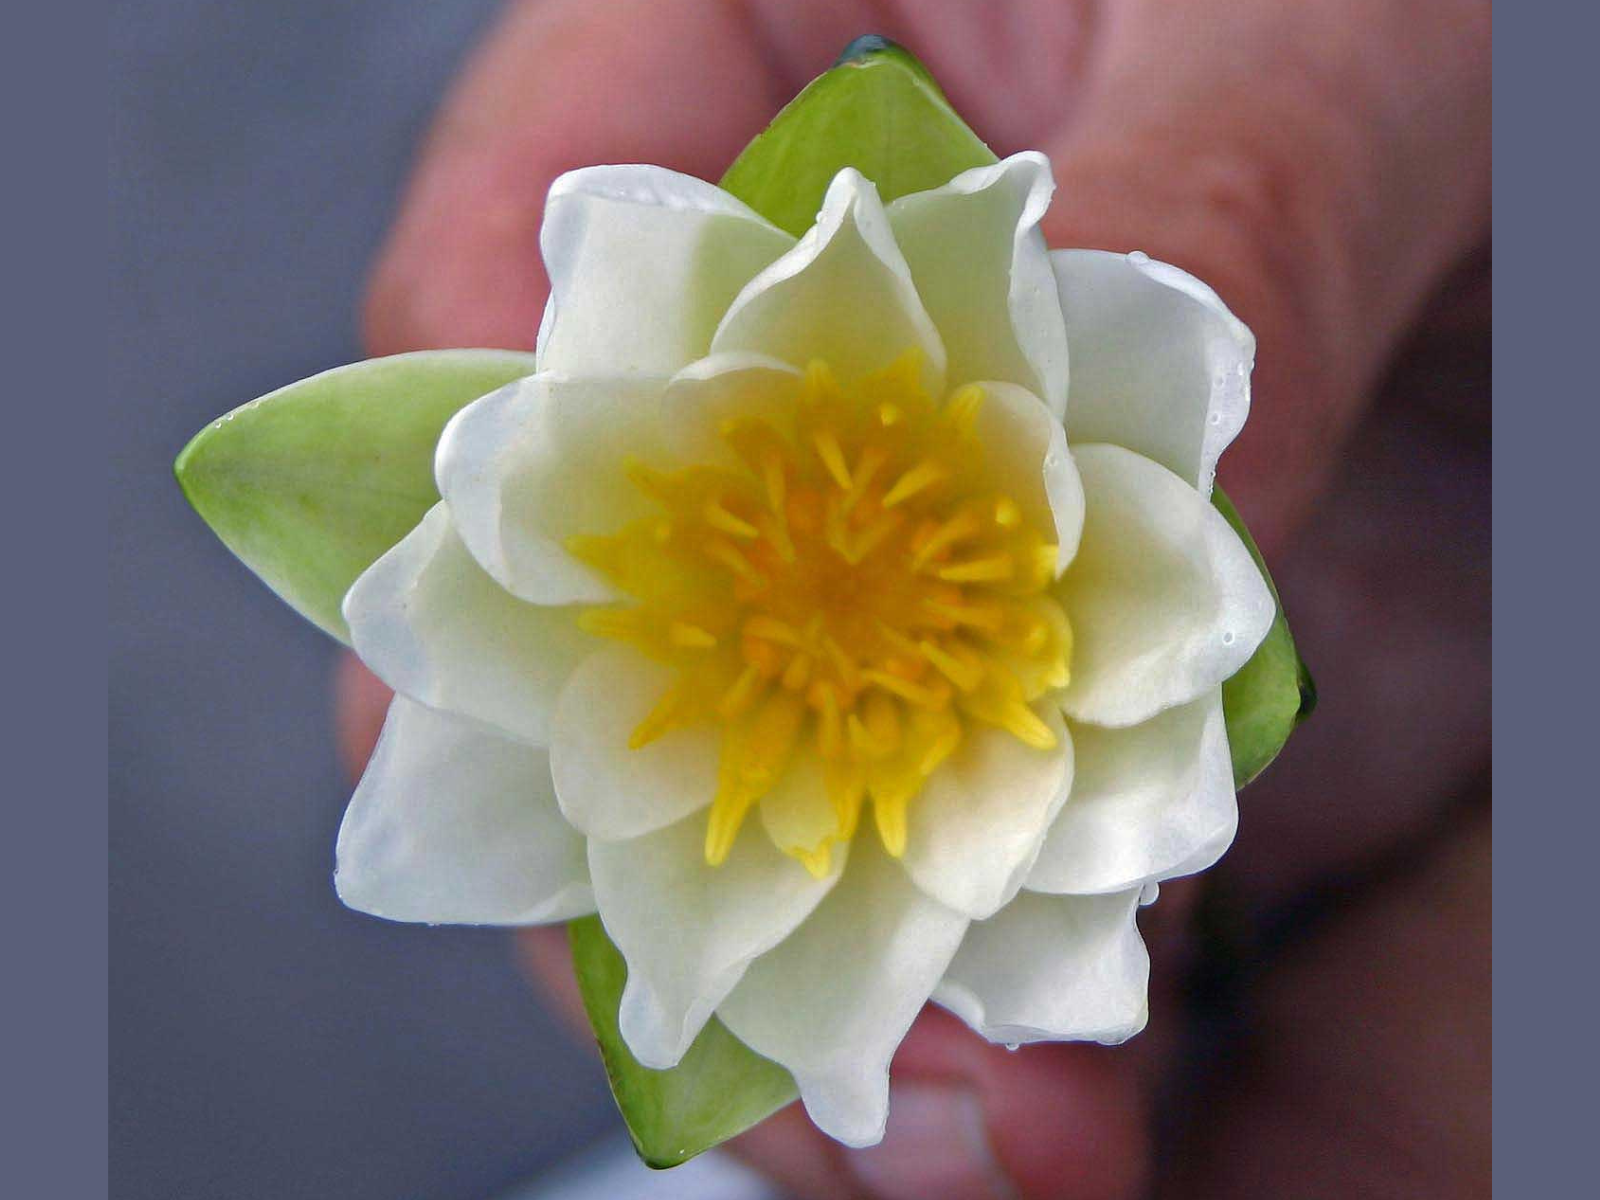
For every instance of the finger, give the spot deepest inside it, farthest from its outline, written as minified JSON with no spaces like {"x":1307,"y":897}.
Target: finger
{"x":360,"y":703}
{"x":1366,"y":1068}
{"x":1321,"y":165}
{"x":968,"y":1118}
{"x":555,"y":86}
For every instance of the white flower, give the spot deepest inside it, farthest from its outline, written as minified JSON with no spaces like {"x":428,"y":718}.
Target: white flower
{"x":798,"y":619}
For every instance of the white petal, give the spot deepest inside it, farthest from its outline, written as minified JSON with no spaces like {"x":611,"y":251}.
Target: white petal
{"x":432,"y":625}
{"x":797,"y":814}
{"x":1026,"y":456}
{"x":978,"y":823}
{"x":843,"y":294}
{"x":452,"y":823}
{"x":1149,"y":802}
{"x":1159,"y":364}
{"x":1053,"y":968}
{"x":607,"y":789}
{"x":689,"y":930}
{"x":706,"y":394}
{"x":1164,"y":599}
{"x":541,"y":460}
{"x":983,"y":271}
{"x":643,"y":262}
{"x":832,"y":1002}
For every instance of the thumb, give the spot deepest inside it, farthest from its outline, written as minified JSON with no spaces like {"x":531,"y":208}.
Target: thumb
{"x":1321,"y":165}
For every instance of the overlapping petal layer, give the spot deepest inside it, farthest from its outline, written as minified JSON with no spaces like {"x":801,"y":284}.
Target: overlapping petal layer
{"x":454,"y":824}
{"x":1165,"y":600}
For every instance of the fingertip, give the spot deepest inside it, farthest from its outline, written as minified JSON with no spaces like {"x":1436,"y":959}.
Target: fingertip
{"x":360,"y":703}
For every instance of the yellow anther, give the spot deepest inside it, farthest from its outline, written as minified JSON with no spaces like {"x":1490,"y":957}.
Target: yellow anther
{"x":846,"y":785}
{"x":830,"y":727}
{"x":849,"y":671}
{"x":1024,"y":724}
{"x":817,"y":860}
{"x":773,"y":478}
{"x":772,"y":629}
{"x":729,"y":556}
{"x":1007,"y":514}
{"x":612,"y":622}
{"x":889,"y":813}
{"x":873,"y":536}
{"x":719,"y":517}
{"x":862,"y":741}
{"x":918,"y":479}
{"x":963,"y":407}
{"x":738,"y":698}
{"x":889,"y":414}
{"x":918,"y":694}
{"x":867,"y":466}
{"x":690,"y":637}
{"x":962,"y":525}
{"x":797,"y":672}
{"x":820,"y":384}
{"x":671,"y":711}
{"x":993,"y":569}
{"x":985,"y":617}
{"x":965,"y":675}
{"x":832,"y":456}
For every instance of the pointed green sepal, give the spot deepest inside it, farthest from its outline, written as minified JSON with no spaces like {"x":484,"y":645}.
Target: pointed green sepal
{"x":311,"y":483}
{"x":721,"y":1088}
{"x":1273,"y":692}
{"x":878,"y":111}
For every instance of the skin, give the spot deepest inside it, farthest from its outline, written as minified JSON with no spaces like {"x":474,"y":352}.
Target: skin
{"x":1325,"y":165}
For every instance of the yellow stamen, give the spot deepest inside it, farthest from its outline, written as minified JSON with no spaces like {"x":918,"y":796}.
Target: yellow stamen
{"x":719,"y":517}
{"x":979,"y":570}
{"x":918,"y":479}
{"x":832,"y":456}
{"x":846,"y":585}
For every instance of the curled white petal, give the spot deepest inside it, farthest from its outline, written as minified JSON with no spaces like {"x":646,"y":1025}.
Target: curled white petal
{"x":687,"y":931}
{"x":541,"y":460}
{"x":607,"y":789}
{"x":706,"y":394}
{"x":1164,"y":599}
{"x":833,"y":1000}
{"x":978,"y":823}
{"x":844,"y":293}
{"x":643,"y":262}
{"x":1159,"y":364}
{"x":1050,"y":968}
{"x":1149,"y":802}
{"x":452,"y":823}
{"x":434,"y":626}
{"x":1027,"y":458}
{"x":983,"y":271}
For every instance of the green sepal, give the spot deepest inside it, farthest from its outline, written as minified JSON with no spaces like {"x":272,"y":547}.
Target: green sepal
{"x":1273,"y":692}
{"x":313,"y":482}
{"x":720,"y":1089}
{"x":879,"y":111}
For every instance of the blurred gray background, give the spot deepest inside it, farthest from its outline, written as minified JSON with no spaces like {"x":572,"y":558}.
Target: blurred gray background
{"x":265,"y":1041}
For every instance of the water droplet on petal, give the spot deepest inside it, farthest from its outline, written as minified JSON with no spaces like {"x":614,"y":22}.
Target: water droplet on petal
{"x":1216,"y":418}
{"x":1138,"y":258}
{"x":1227,"y":637}
{"x":1013,"y":1046}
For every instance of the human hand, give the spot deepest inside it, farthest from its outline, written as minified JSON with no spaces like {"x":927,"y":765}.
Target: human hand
{"x":1323,"y":165}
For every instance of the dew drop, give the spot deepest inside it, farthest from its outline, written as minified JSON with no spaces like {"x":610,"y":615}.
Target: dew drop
{"x":1216,"y":418}
{"x":1013,"y":1046}
{"x":1227,"y":638}
{"x":1138,"y":258}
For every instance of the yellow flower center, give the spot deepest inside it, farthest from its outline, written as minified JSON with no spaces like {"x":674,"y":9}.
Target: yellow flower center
{"x":851,"y":583}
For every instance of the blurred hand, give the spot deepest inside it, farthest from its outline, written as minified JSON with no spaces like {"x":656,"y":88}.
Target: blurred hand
{"x":1325,"y":166}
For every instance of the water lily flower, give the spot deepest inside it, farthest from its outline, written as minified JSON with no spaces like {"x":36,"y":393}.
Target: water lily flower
{"x":802,"y":616}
